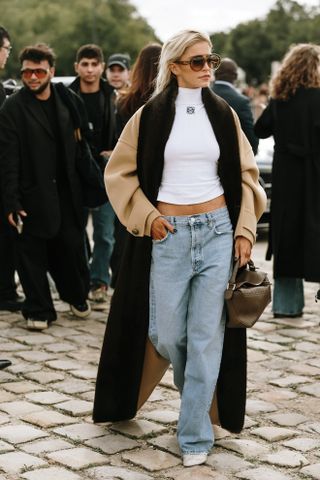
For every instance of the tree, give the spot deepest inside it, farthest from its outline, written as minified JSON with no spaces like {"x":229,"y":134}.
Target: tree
{"x":113,"y":24}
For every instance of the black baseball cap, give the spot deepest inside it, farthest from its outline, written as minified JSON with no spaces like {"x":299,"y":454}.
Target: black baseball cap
{"x":121,"y":59}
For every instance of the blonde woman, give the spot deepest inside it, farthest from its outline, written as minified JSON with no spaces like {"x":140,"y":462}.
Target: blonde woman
{"x":184,"y":182}
{"x":293,"y":118}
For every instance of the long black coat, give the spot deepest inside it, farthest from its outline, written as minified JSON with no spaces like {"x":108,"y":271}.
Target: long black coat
{"x":121,"y":363}
{"x":294,"y":238}
{"x":28,"y":150}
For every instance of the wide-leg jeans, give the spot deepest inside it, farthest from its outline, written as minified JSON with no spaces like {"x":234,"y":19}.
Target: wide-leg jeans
{"x":189,"y":274}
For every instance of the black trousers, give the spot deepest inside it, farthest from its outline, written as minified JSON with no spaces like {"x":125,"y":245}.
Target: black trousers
{"x":64,"y":257}
{"x":7,"y":259}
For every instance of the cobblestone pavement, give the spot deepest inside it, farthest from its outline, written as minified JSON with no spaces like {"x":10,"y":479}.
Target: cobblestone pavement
{"x":46,"y":431}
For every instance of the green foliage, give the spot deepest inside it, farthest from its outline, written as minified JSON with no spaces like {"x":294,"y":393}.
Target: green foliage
{"x":255,"y":44}
{"x":115,"y":25}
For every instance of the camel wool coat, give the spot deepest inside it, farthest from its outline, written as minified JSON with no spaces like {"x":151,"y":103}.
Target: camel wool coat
{"x":130,"y":368}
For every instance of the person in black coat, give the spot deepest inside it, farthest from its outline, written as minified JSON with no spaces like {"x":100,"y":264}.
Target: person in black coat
{"x":9,"y":299}
{"x":293,"y":118}
{"x":42,"y":190}
{"x":223,"y":86}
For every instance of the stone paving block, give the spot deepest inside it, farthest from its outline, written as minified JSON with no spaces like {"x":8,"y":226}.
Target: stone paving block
{"x":274,"y":434}
{"x":315,"y":362}
{"x":73,"y":386}
{"x":91,"y":356}
{"x":20,"y":433}
{"x":116,"y":473}
{"x":88,"y":396}
{"x":290,"y":380}
{"x":249,"y":423}
{"x":15,"y":462}
{"x":166,"y":442}
{"x":35,"y":356}
{"x":199,"y":472}
{"x":20,"y":387}
{"x":167,"y":380}
{"x":48,"y":445}
{"x":19,"y":408}
{"x":255,"y":407}
{"x":48,"y":419}
{"x":76,"y":407}
{"x":303,"y":444}
{"x":285,"y":458}
{"x":5,"y":447}
{"x":265,"y":327}
{"x":23,"y":367}
{"x":313,"y":471}
{"x":288,"y":419}
{"x":313,"y":389}
{"x":295,"y":355}
{"x":64,"y":365}
{"x":47,"y":397}
{"x":303,"y":369}
{"x":44,"y":377}
{"x":80,"y":431}
{"x":13,"y":347}
{"x":247,"y":448}
{"x":6,"y":396}
{"x":6,"y":377}
{"x":294,"y":332}
{"x":262,"y":473}
{"x":151,"y":460}
{"x":227,"y":462}
{"x":86,"y":374}
{"x":220,"y":432}
{"x":295,"y":322}
{"x":60,"y":347}
{"x":277,"y":395}
{"x":162,"y":416}
{"x":266,"y":346}
{"x":256,"y":356}
{"x":36,"y":339}
{"x":137,"y":428}
{"x":52,"y":473}
{"x":78,"y":458}
{"x":4,"y":419}
{"x":307,"y":347}
{"x":112,"y":443}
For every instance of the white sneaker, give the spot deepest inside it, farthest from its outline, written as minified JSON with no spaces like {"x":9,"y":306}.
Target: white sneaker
{"x":81,"y":311}
{"x":37,"y":324}
{"x":191,"y":459}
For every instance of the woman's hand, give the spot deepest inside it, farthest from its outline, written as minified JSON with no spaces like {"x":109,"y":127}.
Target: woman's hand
{"x":242,"y":250}
{"x":160,"y":227}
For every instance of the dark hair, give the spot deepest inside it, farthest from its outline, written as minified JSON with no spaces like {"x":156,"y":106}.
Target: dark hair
{"x":3,"y":34}
{"x":37,"y":53}
{"x":143,"y":77}
{"x":90,"y":51}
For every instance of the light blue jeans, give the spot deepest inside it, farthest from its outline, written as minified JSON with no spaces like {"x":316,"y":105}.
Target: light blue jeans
{"x":189,"y":274}
{"x":103,"y":239}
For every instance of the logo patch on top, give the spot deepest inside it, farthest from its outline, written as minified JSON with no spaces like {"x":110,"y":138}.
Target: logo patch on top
{"x":191,"y":110}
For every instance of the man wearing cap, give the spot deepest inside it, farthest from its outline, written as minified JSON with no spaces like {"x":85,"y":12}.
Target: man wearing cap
{"x":98,"y":95}
{"x":118,"y":70}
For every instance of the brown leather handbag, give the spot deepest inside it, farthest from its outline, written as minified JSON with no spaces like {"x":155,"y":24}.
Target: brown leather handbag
{"x":247,"y":295}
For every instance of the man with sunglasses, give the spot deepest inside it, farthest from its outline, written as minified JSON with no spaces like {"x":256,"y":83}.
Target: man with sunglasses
{"x":42,"y":191}
{"x":225,"y":78}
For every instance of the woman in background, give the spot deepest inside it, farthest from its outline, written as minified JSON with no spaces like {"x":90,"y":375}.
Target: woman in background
{"x":142,"y":86}
{"x":293,"y":118}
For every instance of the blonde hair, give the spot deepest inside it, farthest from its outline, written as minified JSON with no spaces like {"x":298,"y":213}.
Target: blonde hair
{"x":300,"y":68}
{"x":172,"y":50}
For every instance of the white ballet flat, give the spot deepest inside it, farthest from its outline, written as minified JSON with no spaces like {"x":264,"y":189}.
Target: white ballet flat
{"x":191,"y":459}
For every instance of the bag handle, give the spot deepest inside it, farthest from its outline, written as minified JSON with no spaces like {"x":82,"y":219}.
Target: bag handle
{"x":236,"y":265}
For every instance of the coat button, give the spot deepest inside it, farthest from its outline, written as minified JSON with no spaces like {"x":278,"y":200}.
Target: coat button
{"x":54,"y":181}
{"x":135,"y":231}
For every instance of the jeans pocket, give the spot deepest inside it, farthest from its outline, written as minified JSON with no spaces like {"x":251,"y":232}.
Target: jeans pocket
{"x":223,"y":225}
{"x":161,"y":240}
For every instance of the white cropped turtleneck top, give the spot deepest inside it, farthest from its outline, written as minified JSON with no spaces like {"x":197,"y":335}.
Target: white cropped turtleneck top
{"x":191,"y":154}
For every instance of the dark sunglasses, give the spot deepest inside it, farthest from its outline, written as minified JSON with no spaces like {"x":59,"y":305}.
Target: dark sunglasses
{"x":38,"y":72}
{"x":198,"y":62}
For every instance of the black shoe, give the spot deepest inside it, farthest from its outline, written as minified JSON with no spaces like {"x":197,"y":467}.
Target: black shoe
{"x":82,"y":310}
{"x":287,"y":315}
{"x":12,"y":305}
{"x":4,"y":364}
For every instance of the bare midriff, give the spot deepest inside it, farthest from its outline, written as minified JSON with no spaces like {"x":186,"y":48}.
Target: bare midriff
{"x":170,"y":209}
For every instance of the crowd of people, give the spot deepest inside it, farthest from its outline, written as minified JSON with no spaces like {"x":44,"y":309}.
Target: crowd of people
{"x":180,"y":200}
